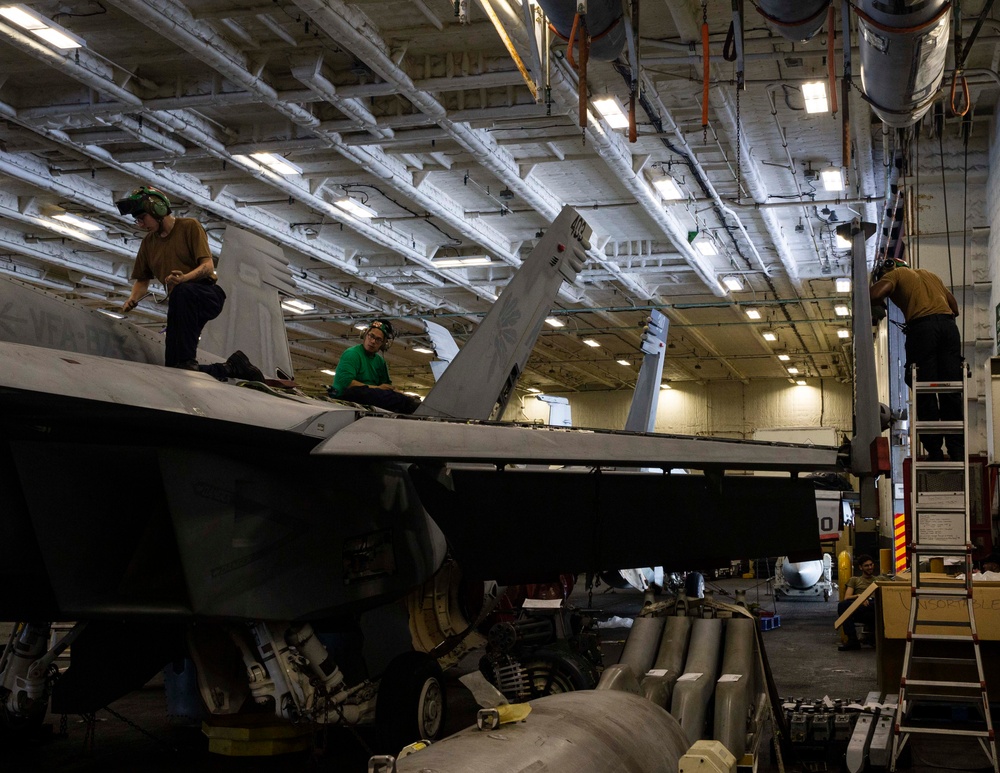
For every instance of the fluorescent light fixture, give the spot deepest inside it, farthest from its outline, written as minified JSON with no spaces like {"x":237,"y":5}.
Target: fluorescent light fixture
{"x":611,"y":110}
{"x":784,"y":357}
{"x":665,"y":386}
{"x":705,"y":244}
{"x":753,"y":313}
{"x":843,"y":333}
{"x":833,"y":178}
{"x":733,"y":283}
{"x":361,"y":326}
{"x":328,"y":372}
{"x":668,"y":189}
{"x":41,"y":27}
{"x":422,"y":350}
{"x":814,"y":94}
{"x":842,"y":243}
{"x":800,"y":382}
{"x":770,"y":335}
{"x":356,"y":208}
{"x":78,"y":222}
{"x":843,"y":284}
{"x":793,"y":370}
{"x":624,"y":362}
{"x":112,"y":314}
{"x":471,"y":260}
{"x":591,"y":342}
{"x":554,"y":322}
{"x":276,"y":163}
{"x":841,"y":310}
{"x":534,"y":391}
{"x":296,"y":306}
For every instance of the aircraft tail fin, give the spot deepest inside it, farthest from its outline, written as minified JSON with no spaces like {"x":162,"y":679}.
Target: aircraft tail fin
{"x":642,"y":411}
{"x":252,"y":271}
{"x":445,"y":348}
{"x":481,"y":379}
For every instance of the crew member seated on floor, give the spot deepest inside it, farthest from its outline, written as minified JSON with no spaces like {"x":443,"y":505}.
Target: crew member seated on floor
{"x":864,"y":613}
{"x":363,"y":377}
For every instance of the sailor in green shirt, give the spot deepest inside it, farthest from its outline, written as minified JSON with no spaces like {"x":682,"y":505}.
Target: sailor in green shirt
{"x":363,"y":377}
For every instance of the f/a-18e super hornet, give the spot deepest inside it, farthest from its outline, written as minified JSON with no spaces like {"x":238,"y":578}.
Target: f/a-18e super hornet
{"x":169,"y":514}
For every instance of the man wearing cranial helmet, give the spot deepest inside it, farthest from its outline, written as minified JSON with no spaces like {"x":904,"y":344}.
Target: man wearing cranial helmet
{"x":363,"y":377}
{"x":933,"y":345}
{"x":175,"y":251}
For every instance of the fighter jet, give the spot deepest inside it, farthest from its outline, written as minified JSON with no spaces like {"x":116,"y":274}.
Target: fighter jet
{"x":169,"y":514}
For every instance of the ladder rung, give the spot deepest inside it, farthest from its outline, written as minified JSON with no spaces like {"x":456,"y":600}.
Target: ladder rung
{"x":941,"y":550}
{"x":939,"y":593}
{"x":937,"y":386}
{"x":927,"y":464}
{"x":908,"y":683}
{"x":939,"y":636}
{"x":939,"y":426}
{"x":943,"y":660}
{"x":917,"y":730}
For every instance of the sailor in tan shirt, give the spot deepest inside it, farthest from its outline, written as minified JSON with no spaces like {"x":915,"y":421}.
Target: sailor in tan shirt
{"x":933,"y":344}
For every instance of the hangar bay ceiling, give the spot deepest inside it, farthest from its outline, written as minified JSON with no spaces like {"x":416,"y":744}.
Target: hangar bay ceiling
{"x":428,"y":143}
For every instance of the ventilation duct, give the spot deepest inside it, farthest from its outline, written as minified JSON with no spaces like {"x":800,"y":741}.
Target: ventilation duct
{"x":903,"y":47}
{"x":604,"y":25}
{"x":794,"y":19}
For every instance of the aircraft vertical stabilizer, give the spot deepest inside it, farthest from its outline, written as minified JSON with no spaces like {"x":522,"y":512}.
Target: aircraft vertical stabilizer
{"x":481,"y":379}
{"x":642,"y":411}
{"x":252,"y":271}
{"x":445,"y":348}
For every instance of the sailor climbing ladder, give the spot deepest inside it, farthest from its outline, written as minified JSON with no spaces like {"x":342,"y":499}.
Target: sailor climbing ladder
{"x":942,"y":690}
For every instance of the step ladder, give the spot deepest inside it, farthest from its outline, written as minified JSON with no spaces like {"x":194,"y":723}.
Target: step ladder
{"x":942,"y":690}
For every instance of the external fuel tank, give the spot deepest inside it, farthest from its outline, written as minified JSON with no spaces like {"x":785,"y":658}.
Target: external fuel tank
{"x":903,"y":48}
{"x":794,"y":19}
{"x":590,"y":731}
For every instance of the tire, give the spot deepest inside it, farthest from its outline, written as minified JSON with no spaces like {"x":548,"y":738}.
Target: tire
{"x":694,"y":585}
{"x":552,"y":672}
{"x":411,"y":702}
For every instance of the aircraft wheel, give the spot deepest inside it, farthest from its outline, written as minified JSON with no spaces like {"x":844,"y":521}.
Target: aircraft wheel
{"x":550,"y":673}
{"x":411,"y":701}
{"x":694,"y":585}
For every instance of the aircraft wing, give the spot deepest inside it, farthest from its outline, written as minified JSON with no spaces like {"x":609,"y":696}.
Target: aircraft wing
{"x":461,"y":441}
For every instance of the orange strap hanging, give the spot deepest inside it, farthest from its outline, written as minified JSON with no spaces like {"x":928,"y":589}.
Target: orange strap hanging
{"x":572,"y":37}
{"x":830,"y":35}
{"x":965,"y":93}
{"x":706,"y":73}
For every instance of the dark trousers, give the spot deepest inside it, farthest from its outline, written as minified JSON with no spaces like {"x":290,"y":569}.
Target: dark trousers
{"x":862,"y":614}
{"x":382,"y":398}
{"x":934,"y":345}
{"x":192,"y":304}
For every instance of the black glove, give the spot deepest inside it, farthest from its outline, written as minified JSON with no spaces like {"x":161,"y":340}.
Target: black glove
{"x":879,"y":311}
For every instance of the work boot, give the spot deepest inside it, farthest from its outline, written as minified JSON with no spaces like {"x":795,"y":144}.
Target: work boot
{"x":239,"y":366}
{"x":852,"y":644}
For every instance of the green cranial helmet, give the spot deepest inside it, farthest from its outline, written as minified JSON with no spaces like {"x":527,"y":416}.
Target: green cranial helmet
{"x":385,"y":327}
{"x":145,"y":200}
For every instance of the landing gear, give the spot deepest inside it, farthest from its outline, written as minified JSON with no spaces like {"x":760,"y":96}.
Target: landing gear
{"x":694,"y":585}
{"x":411,"y":702}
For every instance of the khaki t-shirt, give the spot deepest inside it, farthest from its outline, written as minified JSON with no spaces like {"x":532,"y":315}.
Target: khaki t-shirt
{"x":917,"y":292}
{"x":182,"y":250}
